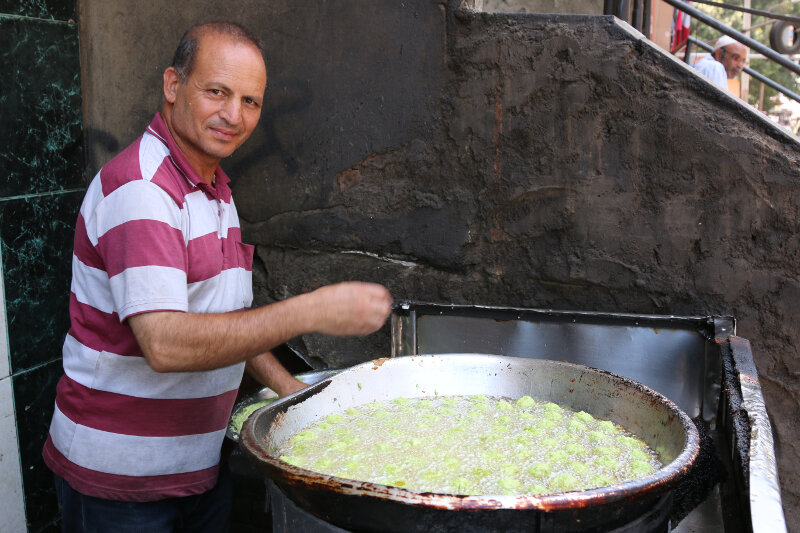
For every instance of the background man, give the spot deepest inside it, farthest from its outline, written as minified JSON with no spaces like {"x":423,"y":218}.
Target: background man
{"x":726,"y":62}
{"x":160,"y":330}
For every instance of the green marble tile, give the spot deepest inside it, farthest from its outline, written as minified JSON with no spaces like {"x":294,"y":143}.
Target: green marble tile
{"x":44,"y":9}
{"x":34,"y":398}
{"x":36,"y":242}
{"x":40,"y":101}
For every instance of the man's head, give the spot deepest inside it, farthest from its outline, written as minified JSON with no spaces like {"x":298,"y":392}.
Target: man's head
{"x":731,"y":53}
{"x":213,"y":92}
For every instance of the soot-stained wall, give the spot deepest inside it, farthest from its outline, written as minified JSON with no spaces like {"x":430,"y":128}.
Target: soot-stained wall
{"x":516,"y":160}
{"x":582,"y":7}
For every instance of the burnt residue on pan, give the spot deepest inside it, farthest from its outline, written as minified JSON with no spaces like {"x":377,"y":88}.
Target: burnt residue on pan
{"x":377,"y":363}
{"x":701,"y":477}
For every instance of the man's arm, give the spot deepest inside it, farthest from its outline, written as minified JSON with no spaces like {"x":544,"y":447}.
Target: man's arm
{"x":270,"y":372}
{"x":179,"y":342}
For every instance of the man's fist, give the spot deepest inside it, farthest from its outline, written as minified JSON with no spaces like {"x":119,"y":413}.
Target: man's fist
{"x":351,"y":308}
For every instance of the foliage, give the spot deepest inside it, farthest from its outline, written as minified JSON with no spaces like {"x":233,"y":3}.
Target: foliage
{"x":766,"y":67}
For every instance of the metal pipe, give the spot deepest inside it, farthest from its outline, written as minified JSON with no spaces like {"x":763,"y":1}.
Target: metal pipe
{"x":638,"y":16}
{"x":624,"y":10}
{"x":742,"y":38}
{"x":755,"y":74}
{"x":759,"y":12}
{"x":646,"y":12}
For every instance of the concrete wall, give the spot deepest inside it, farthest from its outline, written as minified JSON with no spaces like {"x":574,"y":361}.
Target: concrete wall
{"x":489,"y":159}
{"x":575,"y":7}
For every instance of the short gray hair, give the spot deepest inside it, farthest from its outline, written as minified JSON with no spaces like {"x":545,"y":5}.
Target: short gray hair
{"x":183,"y":59}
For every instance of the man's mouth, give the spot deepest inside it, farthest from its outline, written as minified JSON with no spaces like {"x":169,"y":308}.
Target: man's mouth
{"x":224,"y":133}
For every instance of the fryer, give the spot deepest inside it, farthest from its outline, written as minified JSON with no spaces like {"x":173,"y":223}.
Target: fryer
{"x":697,"y":362}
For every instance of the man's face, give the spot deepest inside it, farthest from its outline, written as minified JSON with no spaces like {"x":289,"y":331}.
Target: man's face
{"x":732,"y":58}
{"x":219,"y":105}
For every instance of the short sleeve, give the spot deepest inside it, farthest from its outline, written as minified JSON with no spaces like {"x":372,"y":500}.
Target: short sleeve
{"x":139,"y":236}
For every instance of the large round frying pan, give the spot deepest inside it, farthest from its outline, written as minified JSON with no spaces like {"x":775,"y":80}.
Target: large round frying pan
{"x":363,"y":506}
{"x":267,"y":396}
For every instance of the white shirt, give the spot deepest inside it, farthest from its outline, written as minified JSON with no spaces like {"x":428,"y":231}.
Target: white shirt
{"x":713,"y":70}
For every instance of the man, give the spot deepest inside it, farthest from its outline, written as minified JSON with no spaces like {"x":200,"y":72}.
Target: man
{"x":726,"y":62}
{"x":160,"y":329}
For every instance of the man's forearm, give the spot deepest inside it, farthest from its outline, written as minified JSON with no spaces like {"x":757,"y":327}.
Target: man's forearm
{"x":175,"y":341}
{"x":267,"y":370}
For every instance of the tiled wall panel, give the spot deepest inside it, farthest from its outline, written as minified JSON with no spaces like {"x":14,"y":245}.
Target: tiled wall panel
{"x":42,"y":9}
{"x":34,"y":397}
{"x":13,"y":514}
{"x":36,"y":242}
{"x":42,"y":165}
{"x":41,"y":104}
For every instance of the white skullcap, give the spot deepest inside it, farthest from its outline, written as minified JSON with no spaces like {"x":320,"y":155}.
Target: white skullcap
{"x":724,"y":41}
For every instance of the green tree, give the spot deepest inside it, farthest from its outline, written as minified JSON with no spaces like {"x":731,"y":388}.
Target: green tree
{"x":760,"y":32}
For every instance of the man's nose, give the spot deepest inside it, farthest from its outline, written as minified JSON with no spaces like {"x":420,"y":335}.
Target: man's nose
{"x":231,"y":111}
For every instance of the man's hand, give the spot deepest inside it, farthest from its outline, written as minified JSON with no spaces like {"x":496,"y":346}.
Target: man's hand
{"x":351,"y":308}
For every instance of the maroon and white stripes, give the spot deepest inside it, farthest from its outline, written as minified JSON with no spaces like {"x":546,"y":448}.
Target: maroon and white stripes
{"x":150,"y":236}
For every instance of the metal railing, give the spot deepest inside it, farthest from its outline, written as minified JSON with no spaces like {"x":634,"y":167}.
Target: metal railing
{"x":759,"y":12}
{"x":627,"y":10}
{"x":741,"y":37}
{"x":753,"y":73}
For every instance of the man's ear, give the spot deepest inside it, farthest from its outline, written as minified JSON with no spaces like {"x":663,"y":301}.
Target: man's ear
{"x":171,"y":81}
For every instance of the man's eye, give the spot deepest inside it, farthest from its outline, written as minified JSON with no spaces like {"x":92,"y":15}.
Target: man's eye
{"x":216,"y":92}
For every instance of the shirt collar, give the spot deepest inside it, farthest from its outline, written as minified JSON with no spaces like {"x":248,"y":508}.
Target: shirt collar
{"x":221,"y":189}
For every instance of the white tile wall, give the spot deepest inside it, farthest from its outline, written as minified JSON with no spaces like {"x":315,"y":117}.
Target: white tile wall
{"x":12,"y":503}
{"x":5,"y":369}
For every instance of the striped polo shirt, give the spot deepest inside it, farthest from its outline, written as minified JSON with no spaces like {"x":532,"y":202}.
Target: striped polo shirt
{"x":150,"y":236}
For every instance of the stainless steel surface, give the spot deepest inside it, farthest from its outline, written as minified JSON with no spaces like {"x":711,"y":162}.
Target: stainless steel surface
{"x":705,"y":518}
{"x":266,"y":393}
{"x":651,"y":416}
{"x":668,"y":354}
{"x":766,"y":509}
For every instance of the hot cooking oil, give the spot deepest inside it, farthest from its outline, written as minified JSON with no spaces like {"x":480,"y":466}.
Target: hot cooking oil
{"x":471,"y":445}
